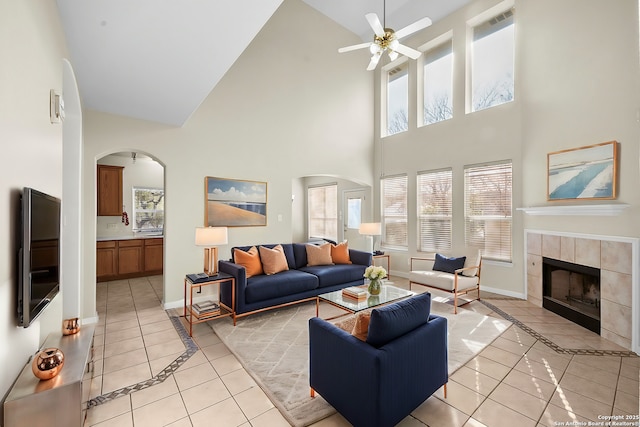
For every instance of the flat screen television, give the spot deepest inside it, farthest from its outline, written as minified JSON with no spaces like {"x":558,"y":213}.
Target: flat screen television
{"x":39,"y":254}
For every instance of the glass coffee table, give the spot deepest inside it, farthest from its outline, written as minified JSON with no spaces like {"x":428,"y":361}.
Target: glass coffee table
{"x":388,"y":293}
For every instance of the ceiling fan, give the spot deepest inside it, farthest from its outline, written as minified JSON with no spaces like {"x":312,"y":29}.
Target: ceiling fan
{"x":386,"y":39}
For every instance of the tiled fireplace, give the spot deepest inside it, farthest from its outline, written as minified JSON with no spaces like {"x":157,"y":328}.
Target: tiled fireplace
{"x":612,"y":258}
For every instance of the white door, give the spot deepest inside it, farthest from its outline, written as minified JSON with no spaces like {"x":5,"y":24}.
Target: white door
{"x":356,"y":209}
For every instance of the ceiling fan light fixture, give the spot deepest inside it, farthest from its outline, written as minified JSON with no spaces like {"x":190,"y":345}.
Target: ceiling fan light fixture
{"x":393,"y":55}
{"x":375,"y":49}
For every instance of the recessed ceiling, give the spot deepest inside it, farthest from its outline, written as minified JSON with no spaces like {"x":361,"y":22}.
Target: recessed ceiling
{"x":158,"y":60}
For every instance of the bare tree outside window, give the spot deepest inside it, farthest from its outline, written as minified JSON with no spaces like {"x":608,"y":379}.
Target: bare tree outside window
{"x":435,"y":207}
{"x":492,"y":64}
{"x":148,"y":212}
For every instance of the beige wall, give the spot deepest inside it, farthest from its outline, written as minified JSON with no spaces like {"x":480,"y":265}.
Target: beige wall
{"x":291,"y":106}
{"x":577,"y":83}
{"x":32,"y":47}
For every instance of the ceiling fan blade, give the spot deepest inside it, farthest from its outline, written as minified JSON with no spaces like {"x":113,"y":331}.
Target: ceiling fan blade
{"x":377,"y":27}
{"x":407,"y":51}
{"x":354,"y":47}
{"x":375,"y":58}
{"x":412,"y":28}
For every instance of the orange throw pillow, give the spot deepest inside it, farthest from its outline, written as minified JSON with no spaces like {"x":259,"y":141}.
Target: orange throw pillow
{"x":273,"y":260}
{"x":340,"y":253}
{"x":319,"y":255}
{"x":250,"y":260}
{"x":361,"y":328}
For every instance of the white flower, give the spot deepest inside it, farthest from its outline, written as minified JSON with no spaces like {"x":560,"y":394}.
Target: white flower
{"x":374,"y":272}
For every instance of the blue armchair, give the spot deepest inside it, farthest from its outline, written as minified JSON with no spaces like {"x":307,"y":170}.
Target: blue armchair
{"x":380,"y":381}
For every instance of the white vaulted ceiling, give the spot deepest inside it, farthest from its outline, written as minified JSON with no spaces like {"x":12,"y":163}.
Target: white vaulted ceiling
{"x":158,"y":60}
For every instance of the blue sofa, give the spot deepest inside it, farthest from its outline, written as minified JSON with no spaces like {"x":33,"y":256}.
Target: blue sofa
{"x":299,"y":283}
{"x":378,"y":382}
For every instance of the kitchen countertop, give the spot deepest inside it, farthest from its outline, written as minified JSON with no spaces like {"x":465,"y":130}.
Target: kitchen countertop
{"x":130,"y":237}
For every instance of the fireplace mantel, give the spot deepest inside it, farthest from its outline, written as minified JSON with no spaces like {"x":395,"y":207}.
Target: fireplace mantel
{"x":592,"y":210}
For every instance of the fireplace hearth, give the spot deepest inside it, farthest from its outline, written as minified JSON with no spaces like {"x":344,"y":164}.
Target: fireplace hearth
{"x":572,"y":291}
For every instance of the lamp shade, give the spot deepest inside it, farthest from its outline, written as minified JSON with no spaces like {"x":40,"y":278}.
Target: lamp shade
{"x":211,"y":236}
{"x":370,"y":228}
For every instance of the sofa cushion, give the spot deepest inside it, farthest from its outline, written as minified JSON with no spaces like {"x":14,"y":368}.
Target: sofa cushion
{"x":361,"y":326}
{"x":249,"y":259}
{"x":340,"y":253}
{"x":448,"y":265}
{"x":394,"y":320}
{"x":300,"y":254}
{"x":319,"y":255}
{"x":290,"y":282}
{"x":473,"y":260}
{"x":273,"y":260}
{"x":442,"y":280}
{"x":329,"y":275}
{"x":287,"y":247}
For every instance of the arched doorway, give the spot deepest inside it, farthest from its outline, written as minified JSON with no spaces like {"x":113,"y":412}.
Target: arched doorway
{"x":130,"y":241}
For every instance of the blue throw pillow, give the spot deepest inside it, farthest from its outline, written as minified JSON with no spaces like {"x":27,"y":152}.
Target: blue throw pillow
{"x":394,"y":320}
{"x":448,"y":265}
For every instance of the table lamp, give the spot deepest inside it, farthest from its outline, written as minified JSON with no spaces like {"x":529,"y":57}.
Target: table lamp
{"x":209,"y":237}
{"x":371,"y":229}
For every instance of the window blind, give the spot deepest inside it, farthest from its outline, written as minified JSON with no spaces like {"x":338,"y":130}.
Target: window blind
{"x":394,"y":211}
{"x":434,"y":210}
{"x":488,"y":209}
{"x":322,"y":204}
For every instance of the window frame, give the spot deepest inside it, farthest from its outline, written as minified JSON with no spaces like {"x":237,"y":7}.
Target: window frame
{"x":401,"y":217}
{"x":434,"y":48}
{"x":401,"y":64}
{"x":326,"y":219}
{"x":493,"y":249}
{"x":135,"y":209}
{"x":438,"y":176}
{"x":505,"y":7}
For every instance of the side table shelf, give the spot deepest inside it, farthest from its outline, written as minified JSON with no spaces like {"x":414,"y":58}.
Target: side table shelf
{"x":221,"y":279}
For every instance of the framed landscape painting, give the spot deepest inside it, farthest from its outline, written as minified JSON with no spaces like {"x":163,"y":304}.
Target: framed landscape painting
{"x":235,"y":203}
{"x":583,"y":173}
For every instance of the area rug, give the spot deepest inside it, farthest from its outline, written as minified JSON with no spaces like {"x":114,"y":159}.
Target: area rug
{"x":274,"y":348}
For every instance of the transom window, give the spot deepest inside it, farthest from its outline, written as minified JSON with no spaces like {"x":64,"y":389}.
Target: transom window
{"x":438,"y":84}
{"x":492,"y":62}
{"x":322,"y":205}
{"x":398,"y":99}
{"x":434,"y":210}
{"x":488,"y":209}
{"x":394,"y":211}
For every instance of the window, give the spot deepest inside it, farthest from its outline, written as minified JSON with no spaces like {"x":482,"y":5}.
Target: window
{"x":434,"y":210}
{"x":148,"y":209}
{"x":323,"y":211}
{"x":438,"y":84}
{"x":492,"y":65}
{"x":398,"y":99}
{"x":487,"y":209}
{"x":394,"y":211}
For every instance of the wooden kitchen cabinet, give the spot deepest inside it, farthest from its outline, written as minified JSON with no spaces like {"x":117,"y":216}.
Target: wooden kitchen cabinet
{"x":109,"y":190}
{"x":106,"y":259}
{"x":153,"y":250}
{"x":130,"y":256}
{"x":124,"y":259}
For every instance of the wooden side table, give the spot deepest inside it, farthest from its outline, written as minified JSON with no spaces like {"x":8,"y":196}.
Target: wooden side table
{"x":388,"y":257}
{"x":220,"y":279}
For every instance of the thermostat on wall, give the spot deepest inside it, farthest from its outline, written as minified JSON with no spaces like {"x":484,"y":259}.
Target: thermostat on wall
{"x":56,"y":106}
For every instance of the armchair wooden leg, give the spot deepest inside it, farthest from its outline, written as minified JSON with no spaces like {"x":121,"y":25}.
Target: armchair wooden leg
{"x":445,"y":390}
{"x":313,"y":392}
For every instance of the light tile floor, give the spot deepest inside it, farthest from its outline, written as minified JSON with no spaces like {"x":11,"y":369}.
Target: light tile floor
{"x":518,"y":380}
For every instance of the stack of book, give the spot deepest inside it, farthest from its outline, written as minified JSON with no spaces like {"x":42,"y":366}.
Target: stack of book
{"x":205,"y":309}
{"x":355,"y":292}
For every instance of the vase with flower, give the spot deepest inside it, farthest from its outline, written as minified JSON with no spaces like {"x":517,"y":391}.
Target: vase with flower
{"x":375,"y":275}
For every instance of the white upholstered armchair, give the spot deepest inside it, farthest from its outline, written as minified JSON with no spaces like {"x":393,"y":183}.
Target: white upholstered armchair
{"x":452,"y":273}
